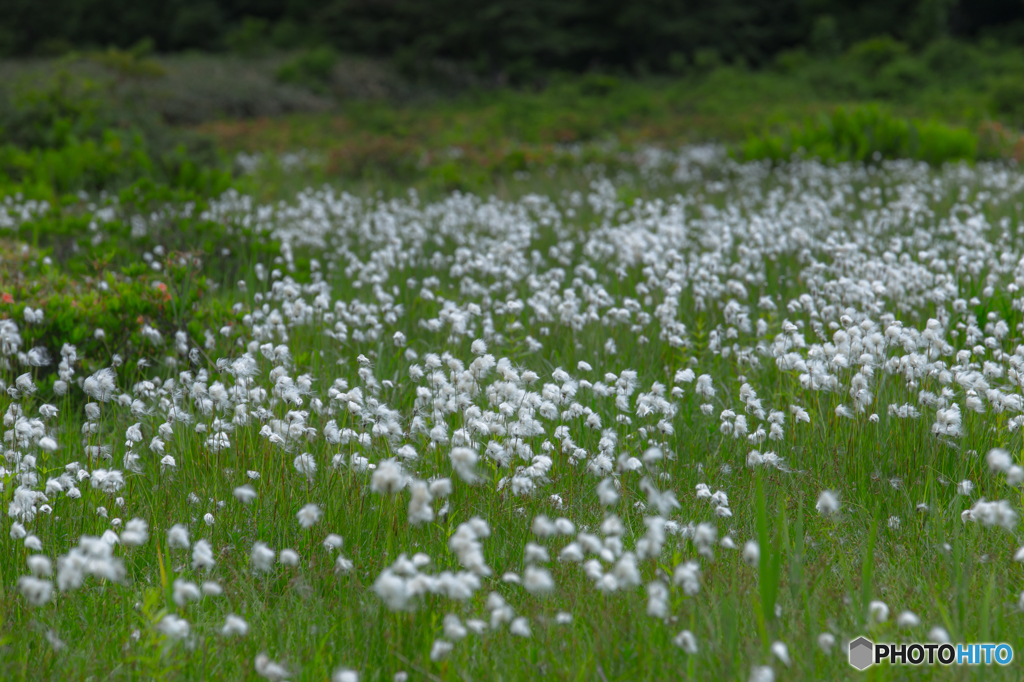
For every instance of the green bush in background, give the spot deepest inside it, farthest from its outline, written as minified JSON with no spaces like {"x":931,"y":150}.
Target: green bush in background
{"x":69,"y":134}
{"x":867,"y":134}
{"x":310,"y":68}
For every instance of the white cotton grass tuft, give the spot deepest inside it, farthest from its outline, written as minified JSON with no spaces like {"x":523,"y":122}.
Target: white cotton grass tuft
{"x":440,"y":650}
{"x":751,"y":553}
{"x":393,"y":590}
{"x":309,"y":515}
{"x":564,"y":526}
{"x":211,"y":589}
{"x":270,"y":669}
{"x":101,"y":385}
{"x":464,"y":462}
{"x":657,"y":599}
{"x":185,"y":592}
{"x":907,"y":620}
{"x":828,"y":503}
{"x":879,"y":611}
{"x":686,"y":641}
{"x":520,"y":627}
{"x":177,"y":537}
{"x":36,"y":591}
{"x":440,"y":487}
{"x":453,"y":628}
{"x":543,"y":527}
{"x":173,"y":627}
{"x":345,"y":675}
{"x":781,"y":651}
{"x":245,"y":494}
{"x":136,"y":533}
{"x":534,"y":553}
{"x":305,"y":465}
{"x":388,"y":478}
{"x":234,"y":626}
{"x":420,"y":509}
{"x":607,"y":492}
{"x":262,"y":557}
{"x":687,"y":575}
{"x":537,"y":580}
{"x":999,"y":460}
{"x":202,"y":555}
{"x":39,"y":566}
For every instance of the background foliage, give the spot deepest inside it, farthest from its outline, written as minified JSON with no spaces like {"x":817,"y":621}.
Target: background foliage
{"x":504,"y":36}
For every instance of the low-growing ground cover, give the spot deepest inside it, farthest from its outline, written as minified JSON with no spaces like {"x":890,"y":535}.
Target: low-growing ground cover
{"x":367,"y":124}
{"x":689,"y":417}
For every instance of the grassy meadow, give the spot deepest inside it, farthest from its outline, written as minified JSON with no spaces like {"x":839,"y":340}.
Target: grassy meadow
{"x":611,"y":378}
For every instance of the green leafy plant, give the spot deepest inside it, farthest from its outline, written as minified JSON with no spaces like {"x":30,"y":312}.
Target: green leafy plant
{"x":311,"y":68}
{"x":1007,"y":97}
{"x":67,"y":135}
{"x":867,"y":134}
{"x":251,"y":37}
{"x":105,"y":314}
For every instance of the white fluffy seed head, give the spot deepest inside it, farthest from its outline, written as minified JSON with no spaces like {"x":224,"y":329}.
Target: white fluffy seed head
{"x":907,"y":620}
{"x":828,"y":503}
{"x":751,"y":553}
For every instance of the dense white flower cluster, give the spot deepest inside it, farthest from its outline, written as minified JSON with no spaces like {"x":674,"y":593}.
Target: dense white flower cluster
{"x":815,"y":298}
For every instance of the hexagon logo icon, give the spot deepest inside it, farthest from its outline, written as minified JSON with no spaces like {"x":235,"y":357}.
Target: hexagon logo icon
{"x":862,"y":653}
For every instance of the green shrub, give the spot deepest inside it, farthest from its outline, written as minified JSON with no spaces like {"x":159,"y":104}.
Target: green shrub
{"x":69,"y":134}
{"x":678,"y":63}
{"x":1006,"y":96}
{"x":789,"y":61}
{"x":951,"y":58}
{"x":707,"y":59}
{"x":119,"y":303}
{"x":134,"y":63}
{"x":94,"y":165}
{"x":311,"y":68}
{"x":286,"y":35}
{"x":597,"y":85}
{"x":77,"y":165}
{"x":250,"y":38}
{"x":899,"y":76}
{"x":873,"y":54}
{"x":866,"y":134}
{"x":824,"y":39}
{"x":145,"y":263}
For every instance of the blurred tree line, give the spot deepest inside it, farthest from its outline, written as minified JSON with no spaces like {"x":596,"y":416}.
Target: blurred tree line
{"x":512,"y":38}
